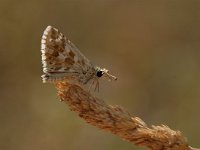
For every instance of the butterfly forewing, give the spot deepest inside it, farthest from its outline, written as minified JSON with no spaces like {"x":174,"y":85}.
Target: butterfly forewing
{"x":60,"y":57}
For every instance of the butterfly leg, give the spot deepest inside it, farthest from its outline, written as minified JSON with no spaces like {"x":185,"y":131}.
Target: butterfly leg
{"x":97,"y":85}
{"x":91,"y":85}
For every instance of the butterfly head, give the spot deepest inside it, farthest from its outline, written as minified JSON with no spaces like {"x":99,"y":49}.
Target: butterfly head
{"x":104,"y":72}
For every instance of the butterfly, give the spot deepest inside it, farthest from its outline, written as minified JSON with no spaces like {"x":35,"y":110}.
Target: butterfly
{"x":63,"y":62}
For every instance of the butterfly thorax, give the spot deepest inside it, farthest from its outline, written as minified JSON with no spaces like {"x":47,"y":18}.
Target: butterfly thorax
{"x":87,"y":75}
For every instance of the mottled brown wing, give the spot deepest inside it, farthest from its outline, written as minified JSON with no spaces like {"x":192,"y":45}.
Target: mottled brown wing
{"x":60,"y":57}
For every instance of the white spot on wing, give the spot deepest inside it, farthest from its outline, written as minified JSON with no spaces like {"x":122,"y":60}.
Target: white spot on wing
{"x":43,"y":51}
{"x":43,"y":46}
{"x":44,"y":64}
{"x":44,"y":57}
{"x":45,"y":70}
{"x":47,"y":30}
{"x":44,"y":37}
{"x":43,"y":41}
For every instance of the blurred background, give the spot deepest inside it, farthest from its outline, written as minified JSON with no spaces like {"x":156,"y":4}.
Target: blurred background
{"x":153,"y":47}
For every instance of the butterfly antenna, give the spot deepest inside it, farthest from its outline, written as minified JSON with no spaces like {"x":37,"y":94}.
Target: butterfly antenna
{"x":111,"y":77}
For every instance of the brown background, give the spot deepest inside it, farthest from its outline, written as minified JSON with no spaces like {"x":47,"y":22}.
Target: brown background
{"x":152,"y":46}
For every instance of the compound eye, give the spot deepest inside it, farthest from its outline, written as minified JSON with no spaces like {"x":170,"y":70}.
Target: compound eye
{"x":99,"y":73}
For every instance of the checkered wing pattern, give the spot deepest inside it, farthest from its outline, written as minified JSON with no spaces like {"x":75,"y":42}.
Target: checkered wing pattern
{"x":62,"y":60}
